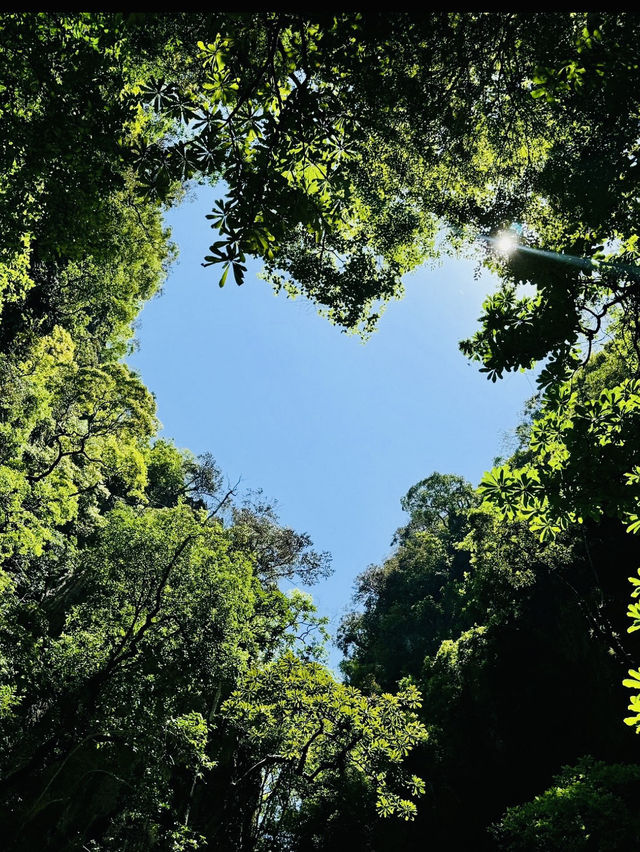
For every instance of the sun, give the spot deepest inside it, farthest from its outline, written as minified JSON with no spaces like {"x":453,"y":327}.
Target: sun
{"x":506,"y":242}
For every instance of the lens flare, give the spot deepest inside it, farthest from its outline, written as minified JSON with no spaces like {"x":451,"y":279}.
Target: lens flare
{"x":506,"y":242}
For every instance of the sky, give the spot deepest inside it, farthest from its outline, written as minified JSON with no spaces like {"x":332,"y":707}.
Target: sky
{"x":335,"y":429}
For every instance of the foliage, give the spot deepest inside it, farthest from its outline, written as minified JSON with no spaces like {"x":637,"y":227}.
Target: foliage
{"x":581,"y":450}
{"x":279,"y":552}
{"x":157,"y":689}
{"x":495,"y":628}
{"x":590,"y":806}
{"x":346,"y":139}
{"x":136,"y":594}
{"x":309,"y":732}
{"x":581,"y":460}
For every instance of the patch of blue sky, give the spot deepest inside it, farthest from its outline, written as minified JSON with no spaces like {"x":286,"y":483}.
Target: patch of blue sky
{"x":335,"y":429}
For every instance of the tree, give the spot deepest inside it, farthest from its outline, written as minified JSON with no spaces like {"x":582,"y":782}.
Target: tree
{"x":136,"y":599}
{"x":348,"y":143}
{"x":310,"y":732}
{"x":347,"y":140}
{"x":497,"y":630}
{"x":590,"y":806}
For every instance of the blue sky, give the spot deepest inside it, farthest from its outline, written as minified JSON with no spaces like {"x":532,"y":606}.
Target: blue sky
{"x":334,"y":429}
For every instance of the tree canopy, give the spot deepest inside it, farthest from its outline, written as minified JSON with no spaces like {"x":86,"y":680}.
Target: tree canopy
{"x":158,"y":690}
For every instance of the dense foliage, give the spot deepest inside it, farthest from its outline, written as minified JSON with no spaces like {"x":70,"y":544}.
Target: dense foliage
{"x":518,"y":649}
{"x":157,"y":688}
{"x":590,"y":806}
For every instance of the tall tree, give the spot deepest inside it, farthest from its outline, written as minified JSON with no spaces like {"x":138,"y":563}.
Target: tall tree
{"x":496,"y":629}
{"x":135,"y":601}
{"x":349,"y":144}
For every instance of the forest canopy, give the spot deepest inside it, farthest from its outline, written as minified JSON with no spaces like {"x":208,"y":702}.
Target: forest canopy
{"x":158,"y":689}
